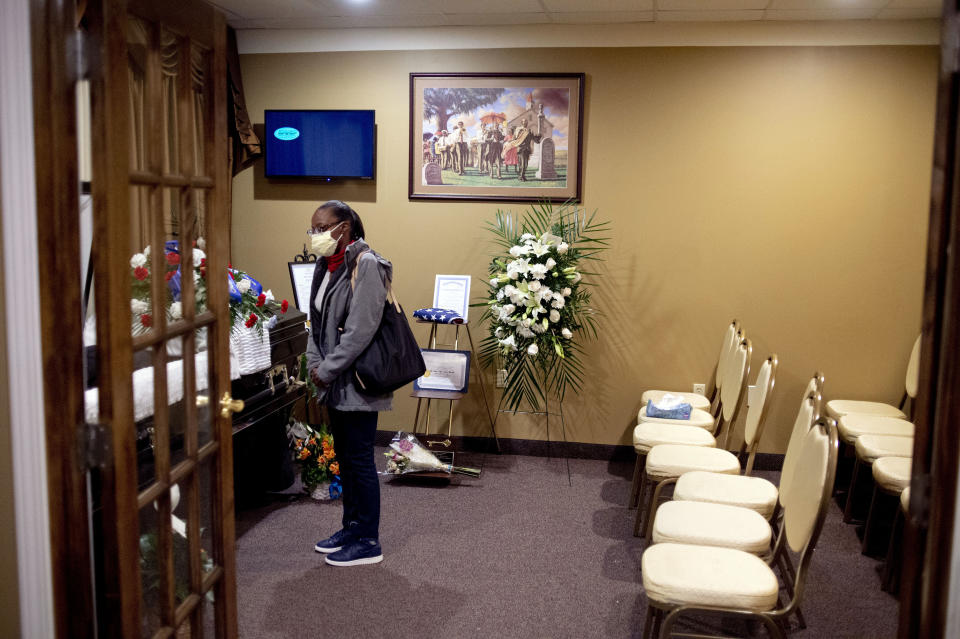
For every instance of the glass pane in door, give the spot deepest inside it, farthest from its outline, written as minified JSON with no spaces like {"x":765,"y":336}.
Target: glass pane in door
{"x":152,"y":573}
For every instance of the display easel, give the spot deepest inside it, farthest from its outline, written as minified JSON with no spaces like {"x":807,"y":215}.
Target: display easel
{"x":546,"y":413}
{"x":450,"y":396}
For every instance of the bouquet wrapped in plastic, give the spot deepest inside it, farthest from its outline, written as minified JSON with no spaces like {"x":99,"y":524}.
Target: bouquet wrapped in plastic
{"x":407,"y":455}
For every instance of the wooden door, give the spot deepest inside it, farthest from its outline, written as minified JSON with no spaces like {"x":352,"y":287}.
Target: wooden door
{"x":142,"y":518}
{"x":928,"y":546}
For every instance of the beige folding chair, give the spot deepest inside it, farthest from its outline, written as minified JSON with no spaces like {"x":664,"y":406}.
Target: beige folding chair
{"x":681,"y":580}
{"x":706,"y":524}
{"x":869,"y":448}
{"x":746,"y":491}
{"x":666,"y":462}
{"x":838,"y":408}
{"x":696,"y":400}
{"x":891,"y":477}
{"x":699,"y":430}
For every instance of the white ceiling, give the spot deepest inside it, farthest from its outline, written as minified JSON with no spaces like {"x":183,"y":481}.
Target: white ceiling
{"x":346,"y":14}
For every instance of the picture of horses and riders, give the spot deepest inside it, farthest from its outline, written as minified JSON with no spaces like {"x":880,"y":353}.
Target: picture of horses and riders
{"x":508,"y":137}
{"x":512,"y":137}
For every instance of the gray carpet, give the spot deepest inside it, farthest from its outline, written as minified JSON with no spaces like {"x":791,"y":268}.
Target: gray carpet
{"x":519,"y":552}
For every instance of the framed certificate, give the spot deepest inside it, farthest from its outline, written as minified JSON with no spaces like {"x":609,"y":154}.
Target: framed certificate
{"x":452,"y":292}
{"x":446,"y":371}
{"x":301,"y":278}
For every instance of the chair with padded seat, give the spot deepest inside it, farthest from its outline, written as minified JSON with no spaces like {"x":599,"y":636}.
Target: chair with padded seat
{"x":837,"y":408}
{"x":699,"y":430}
{"x":756,"y":493}
{"x":681,"y":580}
{"x":856,"y":418}
{"x":891,"y":477}
{"x":700,"y":417}
{"x":751,"y":492}
{"x":892,"y":563}
{"x":696,"y":400}
{"x":666,"y":462}
{"x":868,"y":448}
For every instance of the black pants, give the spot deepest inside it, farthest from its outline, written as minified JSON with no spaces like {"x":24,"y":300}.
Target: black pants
{"x":353,"y":434}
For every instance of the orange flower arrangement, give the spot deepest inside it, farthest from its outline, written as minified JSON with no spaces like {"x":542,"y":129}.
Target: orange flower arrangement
{"x":314,"y":451}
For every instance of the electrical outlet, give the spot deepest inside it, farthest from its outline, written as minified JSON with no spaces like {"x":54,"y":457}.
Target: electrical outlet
{"x":501,"y":378}
{"x":700,"y":388}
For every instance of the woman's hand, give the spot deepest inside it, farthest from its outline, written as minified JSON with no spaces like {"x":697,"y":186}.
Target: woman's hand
{"x":316,"y":379}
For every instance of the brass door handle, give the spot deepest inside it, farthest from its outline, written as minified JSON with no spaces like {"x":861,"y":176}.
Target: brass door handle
{"x":229,"y":405}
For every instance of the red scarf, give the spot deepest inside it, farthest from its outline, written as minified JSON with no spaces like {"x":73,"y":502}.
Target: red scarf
{"x":335,"y":260}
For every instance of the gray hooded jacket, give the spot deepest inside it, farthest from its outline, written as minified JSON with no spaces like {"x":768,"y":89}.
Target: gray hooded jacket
{"x":351,"y":317}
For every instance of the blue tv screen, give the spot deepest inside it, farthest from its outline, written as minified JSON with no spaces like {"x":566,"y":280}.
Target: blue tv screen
{"x":320,"y":144}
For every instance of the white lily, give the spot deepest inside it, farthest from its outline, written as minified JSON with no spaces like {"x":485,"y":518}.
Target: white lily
{"x":539,"y":249}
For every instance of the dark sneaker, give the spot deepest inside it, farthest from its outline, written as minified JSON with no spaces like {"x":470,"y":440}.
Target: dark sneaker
{"x":361,"y":551}
{"x":334,"y":542}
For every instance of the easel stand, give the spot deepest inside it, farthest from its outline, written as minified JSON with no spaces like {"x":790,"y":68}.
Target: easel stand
{"x":451,"y":396}
{"x":546,"y":413}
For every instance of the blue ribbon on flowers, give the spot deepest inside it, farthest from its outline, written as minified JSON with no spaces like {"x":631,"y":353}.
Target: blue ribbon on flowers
{"x":173,"y":246}
{"x":235,"y":295}
{"x":336,"y":488}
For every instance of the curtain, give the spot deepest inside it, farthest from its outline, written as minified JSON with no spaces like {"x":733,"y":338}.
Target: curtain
{"x":245,"y":145}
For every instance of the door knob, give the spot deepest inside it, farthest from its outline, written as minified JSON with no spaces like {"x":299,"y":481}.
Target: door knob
{"x":230,"y":405}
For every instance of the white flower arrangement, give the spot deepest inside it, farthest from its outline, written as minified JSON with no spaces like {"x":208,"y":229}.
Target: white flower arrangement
{"x":538,"y":303}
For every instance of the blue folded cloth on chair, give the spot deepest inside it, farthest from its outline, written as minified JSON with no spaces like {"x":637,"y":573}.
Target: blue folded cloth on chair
{"x":438,"y":315}
{"x":681,"y":411}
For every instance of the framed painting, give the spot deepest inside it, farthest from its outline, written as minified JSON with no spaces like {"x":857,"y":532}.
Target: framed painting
{"x":510,"y":137}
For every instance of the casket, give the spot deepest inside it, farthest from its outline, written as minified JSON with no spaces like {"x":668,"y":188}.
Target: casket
{"x":261,"y":454}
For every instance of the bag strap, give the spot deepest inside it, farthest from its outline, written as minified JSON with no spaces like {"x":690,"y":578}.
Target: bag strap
{"x":391,"y":296}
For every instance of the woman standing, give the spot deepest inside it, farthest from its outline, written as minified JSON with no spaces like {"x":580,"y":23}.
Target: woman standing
{"x":349,"y":290}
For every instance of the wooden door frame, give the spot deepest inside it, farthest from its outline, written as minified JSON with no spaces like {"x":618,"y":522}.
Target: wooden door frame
{"x":929,"y":533}
{"x":57,"y":189}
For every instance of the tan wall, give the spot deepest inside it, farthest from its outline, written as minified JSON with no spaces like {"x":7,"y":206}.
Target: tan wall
{"x":787,"y":187}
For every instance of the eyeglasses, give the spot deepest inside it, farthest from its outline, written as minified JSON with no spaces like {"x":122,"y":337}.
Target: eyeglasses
{"x":323,"y":229}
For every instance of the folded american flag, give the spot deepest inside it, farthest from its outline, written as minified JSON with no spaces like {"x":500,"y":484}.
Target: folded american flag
{"x":438,"y":315}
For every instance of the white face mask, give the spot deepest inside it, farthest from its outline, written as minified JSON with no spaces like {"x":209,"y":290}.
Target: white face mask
{"x":323,"y":244}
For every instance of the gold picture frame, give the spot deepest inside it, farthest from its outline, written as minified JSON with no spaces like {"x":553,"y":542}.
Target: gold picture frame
{"x":510,"y":137}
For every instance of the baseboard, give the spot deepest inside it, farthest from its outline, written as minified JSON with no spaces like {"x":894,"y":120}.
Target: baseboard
{"x":541,"y":448}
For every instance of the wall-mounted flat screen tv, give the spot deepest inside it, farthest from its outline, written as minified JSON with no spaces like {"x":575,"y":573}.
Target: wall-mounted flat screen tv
{"x":331,"y":144}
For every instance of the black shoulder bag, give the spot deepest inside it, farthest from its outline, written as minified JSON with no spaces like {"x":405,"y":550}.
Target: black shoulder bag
{"x":393,"y":357}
